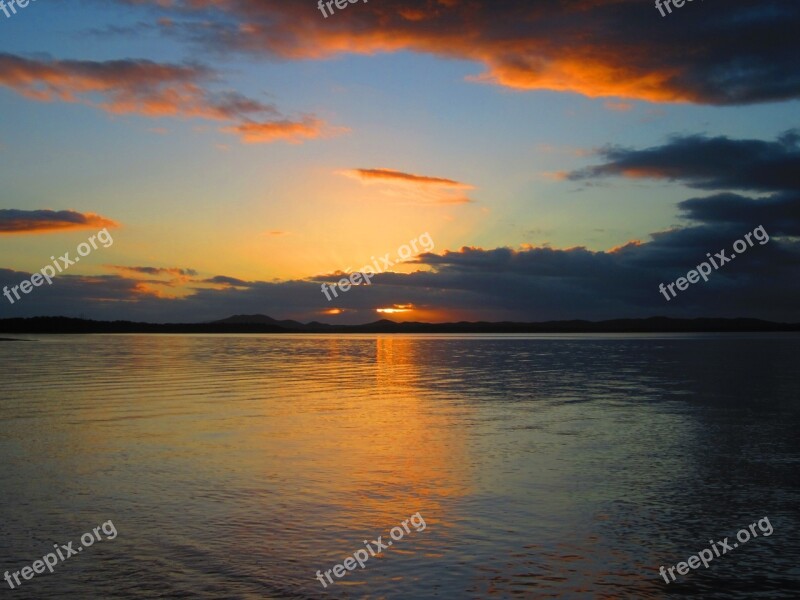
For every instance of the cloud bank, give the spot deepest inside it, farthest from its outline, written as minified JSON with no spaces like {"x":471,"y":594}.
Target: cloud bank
{"x":720,"y":54}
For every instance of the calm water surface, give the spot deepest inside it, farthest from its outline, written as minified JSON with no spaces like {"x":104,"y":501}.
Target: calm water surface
{"x":543,"y":466}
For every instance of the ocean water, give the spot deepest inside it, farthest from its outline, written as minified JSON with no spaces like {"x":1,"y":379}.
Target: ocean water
{"x":542,"y":466}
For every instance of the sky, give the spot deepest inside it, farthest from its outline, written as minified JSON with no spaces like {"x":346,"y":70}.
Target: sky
{"x":529,"y":160}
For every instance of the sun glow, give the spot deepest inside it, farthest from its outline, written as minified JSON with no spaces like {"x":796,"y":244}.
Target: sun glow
{"x":397,"y":308}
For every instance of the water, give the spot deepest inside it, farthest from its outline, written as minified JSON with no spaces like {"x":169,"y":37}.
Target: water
{"x":542,"y":466}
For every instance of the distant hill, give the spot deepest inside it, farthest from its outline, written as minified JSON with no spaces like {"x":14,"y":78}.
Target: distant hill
{"x":261,"y":320}
{"x":265,"y":324}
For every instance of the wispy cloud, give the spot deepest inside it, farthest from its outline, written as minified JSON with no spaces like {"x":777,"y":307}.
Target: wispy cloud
{"x":154,"y":90}
{"x":293,"y":132}
{"x":39,"y":221}
{"x":392,"y":175}
{"x":155,"y":271}
{"x":412,"y":187}
{"x":618,"y":106}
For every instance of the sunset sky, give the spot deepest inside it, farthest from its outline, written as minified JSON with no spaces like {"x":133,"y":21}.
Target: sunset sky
{"x":565,"y":157}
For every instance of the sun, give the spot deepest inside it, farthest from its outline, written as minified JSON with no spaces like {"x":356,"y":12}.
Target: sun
{"x":396,"y":308}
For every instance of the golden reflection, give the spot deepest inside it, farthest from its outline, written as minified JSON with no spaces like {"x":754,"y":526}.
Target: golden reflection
{"x":366,"y":432}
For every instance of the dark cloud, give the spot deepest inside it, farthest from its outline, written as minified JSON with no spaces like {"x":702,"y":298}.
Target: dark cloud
{"x":226,"y":281}
{"x":37,"y":221}
{"x":779,"y":213}
{"x":172,"y":271}
{"x":714,"y":163}
{"x":528,"y":284}
{"x":738,"y":52}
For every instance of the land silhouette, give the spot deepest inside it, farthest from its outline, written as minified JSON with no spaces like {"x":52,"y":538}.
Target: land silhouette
{"x":265,"y":324}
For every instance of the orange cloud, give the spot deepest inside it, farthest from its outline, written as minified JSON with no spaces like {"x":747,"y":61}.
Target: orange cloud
{"x":627,"y":246}
{"x":150,"y":289}
{"x":599,"y":48}
{"x":618,"y":106}
{"x":122,"y":87}
{"x":555,"y":175}
{"x":409,"y":186}
{"x":153,"y":90}
{"x":293,"y":132}
{"x":155,"y":271}
{"x":392,"y":175}
{"x":40,"y":221}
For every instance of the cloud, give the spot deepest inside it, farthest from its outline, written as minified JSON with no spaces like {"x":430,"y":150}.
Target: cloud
{"x":289,"y":131}
{"x":155,"y":271}
{"x":713,"y":163}
{"x":166,"y":282}
{"x":742,"y":54}
{"x":421,"y":189}
{"x":123,"y":87}
{"x":472,"y":283}
{"x":618,"y":106}
{"x":531,"y":283}
{"x":523,"y":284}
{"x":393,"y":176}
{"x":38,"y":221}
{"x":778,"y":213}
{"x":224,"y":281}
{"x":154,"y":90}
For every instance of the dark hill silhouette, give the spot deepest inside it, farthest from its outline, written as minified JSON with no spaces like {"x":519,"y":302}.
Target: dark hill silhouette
{"x":265,"y":324}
